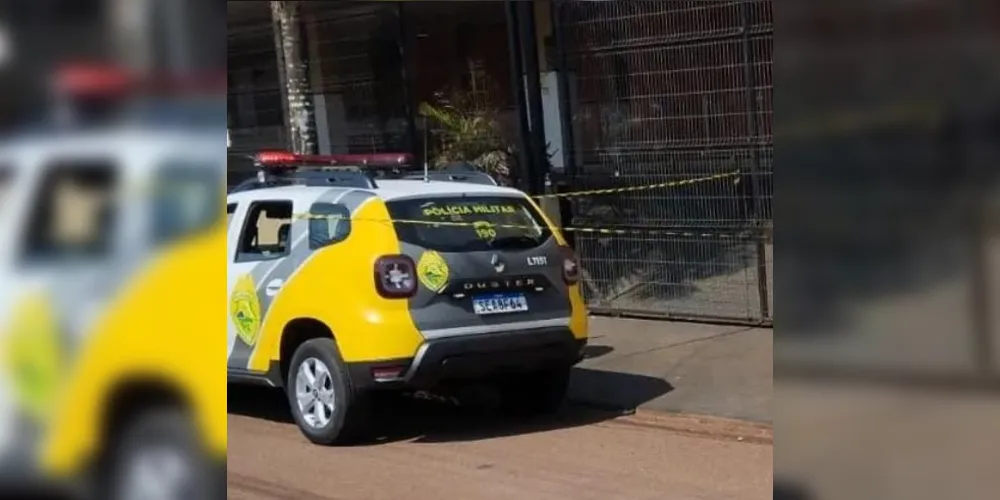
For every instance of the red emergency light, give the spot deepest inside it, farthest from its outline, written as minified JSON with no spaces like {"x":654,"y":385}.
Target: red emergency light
{"x":285,"y":159}
{"x":276,"y":159}
{"x":87,"y":79}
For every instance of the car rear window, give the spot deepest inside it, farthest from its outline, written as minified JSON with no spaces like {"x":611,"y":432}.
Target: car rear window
{"x":469,"y":223}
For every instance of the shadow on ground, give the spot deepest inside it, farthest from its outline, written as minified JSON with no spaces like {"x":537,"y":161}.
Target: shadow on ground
{"x":613,"y":390}
{"x":405,"y":418}
{"x":784,"y":490}
{"x":596,"y":351}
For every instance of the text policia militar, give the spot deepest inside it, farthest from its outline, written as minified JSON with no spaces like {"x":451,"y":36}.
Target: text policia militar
{"x":450,"y":210}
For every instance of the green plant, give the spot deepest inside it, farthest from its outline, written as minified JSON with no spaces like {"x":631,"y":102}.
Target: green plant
{"x":467,"y":131}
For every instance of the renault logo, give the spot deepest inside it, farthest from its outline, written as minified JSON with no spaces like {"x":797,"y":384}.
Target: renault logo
{"x":498,"y":264}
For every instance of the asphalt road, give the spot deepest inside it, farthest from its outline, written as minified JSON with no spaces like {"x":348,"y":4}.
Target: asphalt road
{"x":427,"y":450}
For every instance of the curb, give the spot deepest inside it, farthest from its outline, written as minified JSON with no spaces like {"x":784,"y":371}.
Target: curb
{"x":706,"y":426}
{"x":703,"y":426}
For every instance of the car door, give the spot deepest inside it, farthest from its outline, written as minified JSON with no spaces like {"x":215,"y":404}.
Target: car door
{"x":259,"y":241}
{"x":64,"y":266}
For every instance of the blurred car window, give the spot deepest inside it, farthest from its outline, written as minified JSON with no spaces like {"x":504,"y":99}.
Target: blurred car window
{"x":74,"y":213}
{"x":186,"y":199}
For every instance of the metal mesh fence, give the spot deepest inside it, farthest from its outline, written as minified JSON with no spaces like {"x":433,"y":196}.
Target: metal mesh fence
{"x":670,"y":91}
{"x":664,"y":91}
{"x":355,"y":56}
{"x":255,"y":113}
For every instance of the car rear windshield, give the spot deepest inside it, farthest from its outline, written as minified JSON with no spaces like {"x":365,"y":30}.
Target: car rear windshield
{"x":469,"y":223}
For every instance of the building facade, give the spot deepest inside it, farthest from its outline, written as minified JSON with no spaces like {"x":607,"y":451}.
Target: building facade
{"x":370,"y":65}
{"x":628,"y":93}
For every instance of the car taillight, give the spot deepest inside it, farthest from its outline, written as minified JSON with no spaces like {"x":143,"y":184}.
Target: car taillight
{"x":395,"y":277}
{"x":570,"y":266}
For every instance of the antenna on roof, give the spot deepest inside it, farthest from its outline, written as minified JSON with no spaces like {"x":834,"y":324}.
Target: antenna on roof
{"x":426,"y":169}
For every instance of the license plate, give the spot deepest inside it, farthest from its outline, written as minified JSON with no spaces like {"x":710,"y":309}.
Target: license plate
{"x":499,"y":303}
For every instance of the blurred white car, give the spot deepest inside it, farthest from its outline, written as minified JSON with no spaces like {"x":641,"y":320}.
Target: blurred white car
{"x":98,"y":223}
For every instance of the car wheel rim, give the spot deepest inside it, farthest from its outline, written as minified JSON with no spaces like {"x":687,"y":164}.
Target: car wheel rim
{"x":156,"y":473}
{"x":314,"y":393}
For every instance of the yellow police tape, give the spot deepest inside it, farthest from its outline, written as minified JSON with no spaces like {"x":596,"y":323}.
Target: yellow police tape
{"x":587,"y":230}
{"x":646,"y":187}
{"x":479,"y":225}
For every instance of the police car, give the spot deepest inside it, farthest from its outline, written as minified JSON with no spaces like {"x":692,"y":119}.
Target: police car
{"x":350,"y":274}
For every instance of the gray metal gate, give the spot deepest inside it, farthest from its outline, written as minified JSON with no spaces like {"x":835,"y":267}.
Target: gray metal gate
{"x":670,"y":91}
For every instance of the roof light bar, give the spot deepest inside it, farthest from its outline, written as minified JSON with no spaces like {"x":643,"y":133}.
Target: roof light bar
{"x":85,"y":78}
{"x":272,"y":159}
{"x":89,"y":79}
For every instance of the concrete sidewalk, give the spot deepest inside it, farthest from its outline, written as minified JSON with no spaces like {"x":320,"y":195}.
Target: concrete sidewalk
{"x":722,"y":371}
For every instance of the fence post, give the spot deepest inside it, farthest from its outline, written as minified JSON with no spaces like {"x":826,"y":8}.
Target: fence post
{"x":524,"y":154}
{"x":532,"y":85}
{"x":562,"y":80}
{"x":755,"y":188}
{"x":570,"y":170}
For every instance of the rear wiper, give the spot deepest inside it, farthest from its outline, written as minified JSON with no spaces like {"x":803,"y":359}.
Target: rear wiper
{"x":513,"y":241}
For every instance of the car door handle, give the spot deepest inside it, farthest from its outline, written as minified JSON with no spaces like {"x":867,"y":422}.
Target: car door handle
{"x":273,"y":287}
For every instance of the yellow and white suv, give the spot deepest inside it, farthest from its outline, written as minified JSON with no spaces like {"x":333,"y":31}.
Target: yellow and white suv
{"x":343,"y":282}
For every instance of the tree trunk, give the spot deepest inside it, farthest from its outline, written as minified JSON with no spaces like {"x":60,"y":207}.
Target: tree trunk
{"x":293,"y":75}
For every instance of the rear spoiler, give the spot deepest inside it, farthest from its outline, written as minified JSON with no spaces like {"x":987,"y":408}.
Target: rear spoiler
{"x":456,"y":172}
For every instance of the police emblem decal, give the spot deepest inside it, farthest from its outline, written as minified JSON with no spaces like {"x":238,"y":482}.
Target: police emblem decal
{"x":432,"y":271}
{"x":244,"y":310}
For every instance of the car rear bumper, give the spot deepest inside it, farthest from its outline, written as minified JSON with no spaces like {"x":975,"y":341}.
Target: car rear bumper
{"x":471,"y":357}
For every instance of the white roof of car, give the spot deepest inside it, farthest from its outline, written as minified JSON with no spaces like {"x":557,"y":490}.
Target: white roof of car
{"x":387,"y":190}
{"x":23,"y":151}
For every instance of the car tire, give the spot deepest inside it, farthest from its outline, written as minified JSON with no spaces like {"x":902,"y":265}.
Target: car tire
{"x":539,"y":393}
{"x":158,"y":455}
{"x":337,"y":413}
